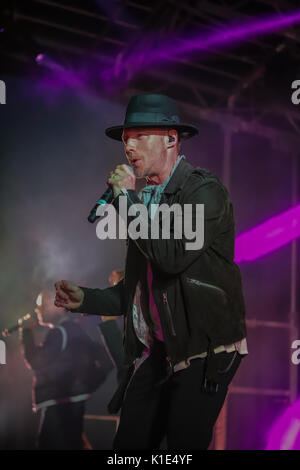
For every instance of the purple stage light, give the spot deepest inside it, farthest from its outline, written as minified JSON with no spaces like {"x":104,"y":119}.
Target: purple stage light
{"x":175,"y":47}
{"x":59,"y":77}
{"x":285,"y":433}
{"x":268,"y":236}
{"x":2,"y":30}
{"x":40,"y":58}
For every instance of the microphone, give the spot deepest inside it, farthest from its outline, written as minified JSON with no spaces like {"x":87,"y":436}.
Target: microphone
{"x":8,"y":331}
{"x":106,"y":198}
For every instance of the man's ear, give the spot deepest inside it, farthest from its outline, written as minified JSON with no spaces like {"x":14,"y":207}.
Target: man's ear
{"x":172,"y":138}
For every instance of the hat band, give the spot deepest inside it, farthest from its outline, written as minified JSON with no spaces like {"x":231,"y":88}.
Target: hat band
{"x":151,"y":118}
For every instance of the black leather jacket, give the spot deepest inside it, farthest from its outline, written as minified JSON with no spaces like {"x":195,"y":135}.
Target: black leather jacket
{"x":198,"y":293}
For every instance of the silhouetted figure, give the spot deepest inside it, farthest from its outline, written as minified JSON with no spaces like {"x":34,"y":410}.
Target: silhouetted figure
{"x":67,"y":367}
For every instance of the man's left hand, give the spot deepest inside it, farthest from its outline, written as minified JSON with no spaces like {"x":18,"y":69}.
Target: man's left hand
{"x":121,"y":178}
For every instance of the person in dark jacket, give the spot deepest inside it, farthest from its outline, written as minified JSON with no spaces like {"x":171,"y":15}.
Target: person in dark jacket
{"x":184,"y":331}
{"x":67,"y":367}
{"x":110,"y":332}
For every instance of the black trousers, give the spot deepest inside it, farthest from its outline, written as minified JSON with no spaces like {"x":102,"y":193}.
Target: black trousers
{"x":179,"y":408}
{"x":61,"y":426}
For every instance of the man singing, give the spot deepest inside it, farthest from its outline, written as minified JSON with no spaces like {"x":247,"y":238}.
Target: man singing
{"x":184,"y":329}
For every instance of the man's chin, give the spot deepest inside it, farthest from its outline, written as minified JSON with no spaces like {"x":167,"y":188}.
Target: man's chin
{"x":138,"y":173}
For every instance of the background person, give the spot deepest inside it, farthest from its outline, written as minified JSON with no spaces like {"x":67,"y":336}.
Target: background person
{"x":67,"y":368}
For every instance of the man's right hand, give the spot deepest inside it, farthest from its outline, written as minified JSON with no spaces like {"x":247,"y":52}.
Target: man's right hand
{"x":68,"y":295}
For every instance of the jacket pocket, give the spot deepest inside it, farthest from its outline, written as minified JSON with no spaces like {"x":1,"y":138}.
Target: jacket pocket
{"x":208,"y":309}
{"x":168,"y":314}
{"x":198,"y":283}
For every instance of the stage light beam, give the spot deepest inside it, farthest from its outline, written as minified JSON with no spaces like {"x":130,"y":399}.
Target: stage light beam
{"x":172,"y":47}
{"x":268,"y":236}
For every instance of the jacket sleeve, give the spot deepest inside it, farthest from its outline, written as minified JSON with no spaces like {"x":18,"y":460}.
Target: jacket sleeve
{"x":112,"y":340}
{"x":172,"y":255}
{"x":39,"y":356}
{"x":109,"y":301}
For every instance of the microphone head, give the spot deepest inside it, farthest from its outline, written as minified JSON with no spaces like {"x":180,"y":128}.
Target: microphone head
{"x":106,"y":197}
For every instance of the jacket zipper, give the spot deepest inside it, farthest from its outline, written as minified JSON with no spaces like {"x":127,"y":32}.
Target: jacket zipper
{"x":200,"y":283}
{"x":169,"y":315}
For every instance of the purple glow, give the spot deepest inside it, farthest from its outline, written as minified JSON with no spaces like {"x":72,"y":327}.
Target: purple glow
{"x":285,"y":433}
{"x":173,"y":47}
{"x":140,"y":57}
{"x":268,"y":236}
{"x":2,"y":30}
{"x":39,"y":58}
{"x":59,"y":77}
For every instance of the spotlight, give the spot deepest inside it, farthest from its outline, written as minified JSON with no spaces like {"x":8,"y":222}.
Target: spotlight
{"x":40,"y":58}
{"x":285,"y":432}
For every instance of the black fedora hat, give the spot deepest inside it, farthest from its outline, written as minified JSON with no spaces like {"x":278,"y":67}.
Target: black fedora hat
{"x":152,"y":111}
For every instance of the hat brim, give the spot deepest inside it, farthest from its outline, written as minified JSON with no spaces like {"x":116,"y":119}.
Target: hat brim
{"x":186,"y":131}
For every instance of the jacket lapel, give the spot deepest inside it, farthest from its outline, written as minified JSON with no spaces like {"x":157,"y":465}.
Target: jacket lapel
{"x":183,"y":170}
